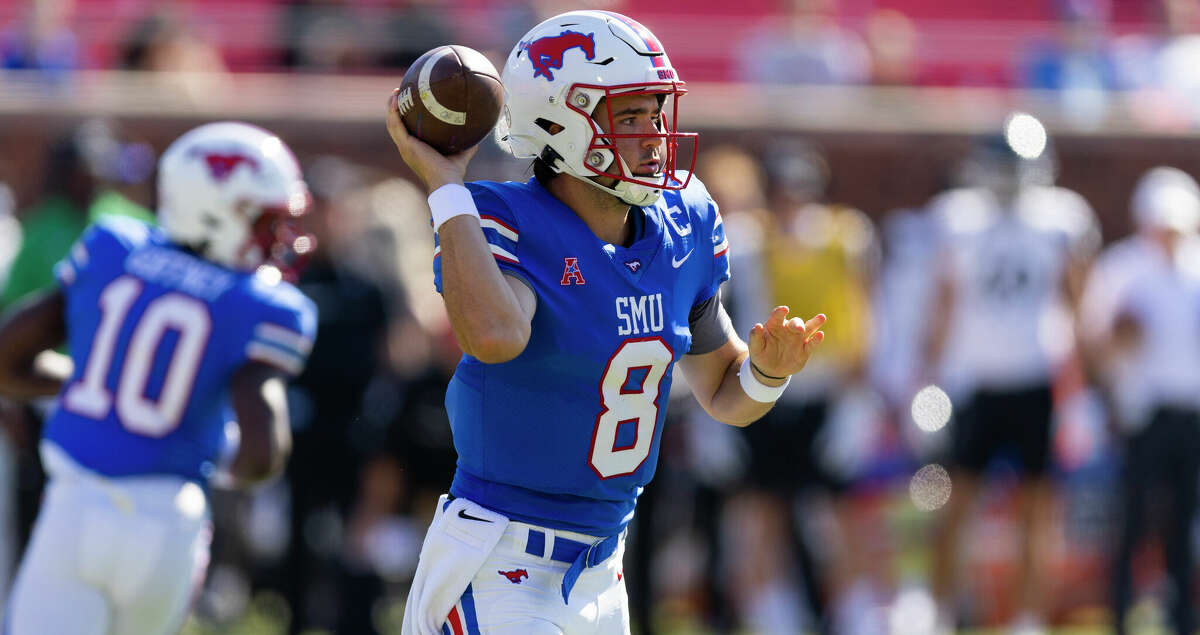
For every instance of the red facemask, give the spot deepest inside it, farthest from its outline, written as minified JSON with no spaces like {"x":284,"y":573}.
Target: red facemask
{"x":280,"y":233}
{"x":666,"y":179}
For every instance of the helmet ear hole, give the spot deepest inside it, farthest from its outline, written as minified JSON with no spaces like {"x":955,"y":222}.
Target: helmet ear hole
{"x":550,"y":127}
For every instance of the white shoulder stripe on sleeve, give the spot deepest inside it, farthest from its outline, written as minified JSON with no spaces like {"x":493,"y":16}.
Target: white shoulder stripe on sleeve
{"x":79,"y":254}
{"x":503,"y":254}
{"x":489,"y":223}
{"x":721,"y":247}
{"x":288,"y":362}
{"x":497,"y":251}
{"x":283,"y":338}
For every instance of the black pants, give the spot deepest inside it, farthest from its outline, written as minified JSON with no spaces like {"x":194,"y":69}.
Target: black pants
{"x":1164,"y":455}
{"x":786,"y":462}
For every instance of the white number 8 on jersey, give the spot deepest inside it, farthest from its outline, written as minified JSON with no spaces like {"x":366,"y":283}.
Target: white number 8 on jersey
{"x":623,"y":404}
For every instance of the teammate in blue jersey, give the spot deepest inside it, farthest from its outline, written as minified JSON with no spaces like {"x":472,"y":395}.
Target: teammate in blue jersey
{"x":573,"y":296}
{"x":172,"y":333}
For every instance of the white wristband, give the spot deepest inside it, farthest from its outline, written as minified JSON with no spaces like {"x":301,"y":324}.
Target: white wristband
{"x":757,"y":390}
{"x":450,"y":200}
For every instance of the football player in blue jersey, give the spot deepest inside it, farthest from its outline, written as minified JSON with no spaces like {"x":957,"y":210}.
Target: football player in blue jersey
{"x":172,"y":332}
{"x":572,"y":296}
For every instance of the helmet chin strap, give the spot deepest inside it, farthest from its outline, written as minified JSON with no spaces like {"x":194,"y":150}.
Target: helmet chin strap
{"x":631,"y":193}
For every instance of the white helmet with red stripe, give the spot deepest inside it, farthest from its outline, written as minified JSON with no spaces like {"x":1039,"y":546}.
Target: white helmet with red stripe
{"x":234,"y":194}
{"x":561,"y":70}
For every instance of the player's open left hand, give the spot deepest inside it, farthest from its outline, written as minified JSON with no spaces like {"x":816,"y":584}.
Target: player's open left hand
{"x":781,"y":346}
{"x":432,"y":167}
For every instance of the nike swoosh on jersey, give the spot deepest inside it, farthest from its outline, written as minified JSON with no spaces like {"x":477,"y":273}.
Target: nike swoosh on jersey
{"x":462,"y":513}
{"x":676,"y":263}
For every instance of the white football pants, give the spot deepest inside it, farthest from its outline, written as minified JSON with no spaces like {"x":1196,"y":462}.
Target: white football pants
{"x":515,"y":592}
{"x":110,"y":556}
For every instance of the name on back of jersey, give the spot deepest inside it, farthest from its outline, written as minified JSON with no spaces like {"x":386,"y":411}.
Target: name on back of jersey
{"x":637,"y":315}
{"x":178,"y":271}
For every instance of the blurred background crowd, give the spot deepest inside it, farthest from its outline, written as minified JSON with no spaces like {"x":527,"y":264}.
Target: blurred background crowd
{"x":837,"y":136}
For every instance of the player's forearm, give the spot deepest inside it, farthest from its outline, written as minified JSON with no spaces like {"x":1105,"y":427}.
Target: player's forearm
{"x":31,"y":382}
{"x":485,"y":313}
{"x":263,"y":458}
{"x":28,"y":368}
{"x":259,"y":396}
{"x":731,"y":405}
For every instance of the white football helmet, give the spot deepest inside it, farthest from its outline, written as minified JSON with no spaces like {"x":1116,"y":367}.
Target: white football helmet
{"x":560,"y":71}
{"x":234,"y":194}
{"x":1166,"y":198}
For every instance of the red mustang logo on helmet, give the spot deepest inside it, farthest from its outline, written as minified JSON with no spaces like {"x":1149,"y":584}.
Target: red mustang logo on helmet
{"x":222,"y":165}
{"x":515,"y":575}
{"x":547,"y":52}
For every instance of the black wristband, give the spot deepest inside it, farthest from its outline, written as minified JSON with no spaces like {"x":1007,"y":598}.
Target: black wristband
{"x":755,"y":367}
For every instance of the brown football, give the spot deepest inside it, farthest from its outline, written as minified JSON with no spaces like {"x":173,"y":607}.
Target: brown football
{"x":451,"y":98}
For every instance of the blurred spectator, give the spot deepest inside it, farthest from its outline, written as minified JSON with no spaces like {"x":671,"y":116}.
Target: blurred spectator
{"x":804,"y":45}
{"x":324,"y":35}
{"x":414,"y":27}
{"x":1078,"y":57}
{"x":82,"y":173}
{"x":1159,"y":67}
{"x":892,"y":41}
{"x":903,"y":290}
{"x":704,"y":461}
{"x":1000,"y":328}
{"x":43,"y":40}
{"x":1078,"y":61}
{"x":10,"y":231}
{"x":506,"y":23}
{"x":166,"y":44}
{"x":333,"y":430}
{"x":381,"y":236}
{"x":12,"y":415}
{"x":410,"y":455}
{"x":163,"y":42}
{"x":1142,"y":309}
{"x":395,"y":251}
{"x":809,"y":449}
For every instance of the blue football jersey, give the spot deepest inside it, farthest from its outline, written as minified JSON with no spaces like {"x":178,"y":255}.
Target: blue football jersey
{"x":566,"y":434}
{"x":155,"y":334}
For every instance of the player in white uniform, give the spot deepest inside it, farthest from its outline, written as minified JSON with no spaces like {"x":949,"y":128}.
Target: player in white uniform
{"x":1013,"y":256}
{"x":1141,"y":320}
{"x":172,"y":332}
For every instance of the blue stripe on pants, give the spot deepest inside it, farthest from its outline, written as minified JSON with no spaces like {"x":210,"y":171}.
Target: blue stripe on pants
{"x":468,"y":604}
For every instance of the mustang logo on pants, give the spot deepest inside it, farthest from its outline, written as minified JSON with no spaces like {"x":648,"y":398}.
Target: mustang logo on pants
{"x":515,"y":575}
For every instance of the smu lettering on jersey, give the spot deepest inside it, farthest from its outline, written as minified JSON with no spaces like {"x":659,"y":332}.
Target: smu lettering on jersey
{"x":566,"y":434}
{"x":155,"y":334}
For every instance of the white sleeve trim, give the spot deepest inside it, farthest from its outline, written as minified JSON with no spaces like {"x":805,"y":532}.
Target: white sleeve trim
{"x":284,"y":338}
{"x":288,"y":362}
{"x":488,"y":222}
{"x":497,"y":251}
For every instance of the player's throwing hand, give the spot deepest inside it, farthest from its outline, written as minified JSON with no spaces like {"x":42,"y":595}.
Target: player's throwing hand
{"x":781,"y":347}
